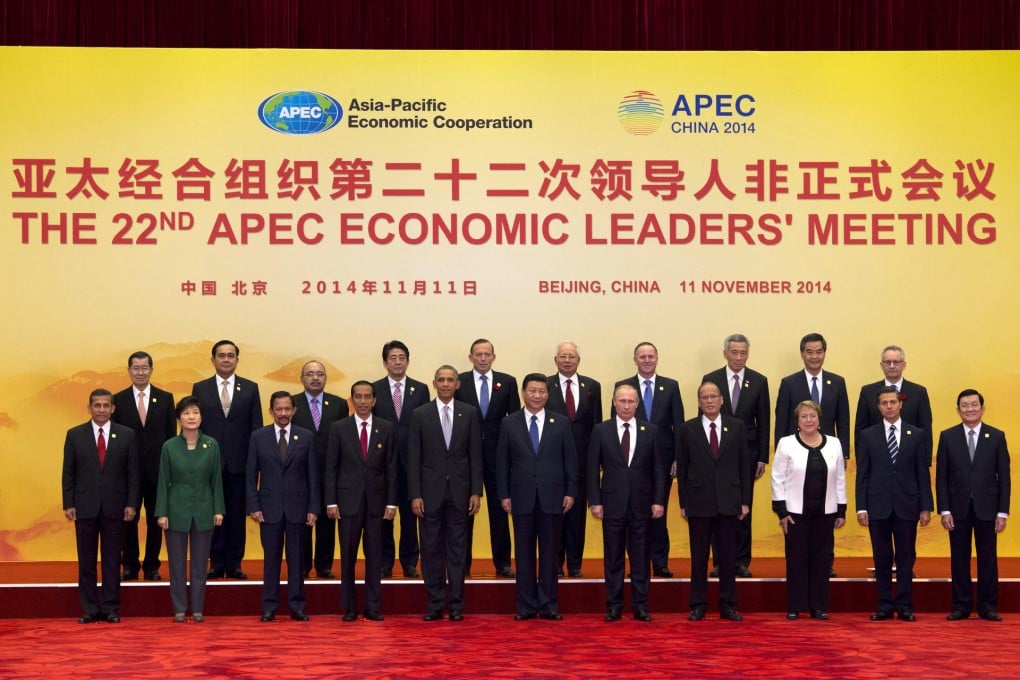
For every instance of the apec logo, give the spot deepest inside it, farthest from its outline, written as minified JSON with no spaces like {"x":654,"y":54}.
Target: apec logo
{"x":300,"y":112}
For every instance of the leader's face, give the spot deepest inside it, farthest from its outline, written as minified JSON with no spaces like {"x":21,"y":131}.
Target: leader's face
{"x":970,"y":410}
{"x":446,"y":384}
{"x":282,"y":411}
{"x":140,"y":372}
{"x":313,"y":377}
{"x":101,"y":408}
{"x":364,"y":400}
{"x":893,"y":364}
{"x":625,"y":401}
{"x":396,"y":363}
{"x":710,"y":400}
{"x":736,"y":356}
{"x":889,"y":406}
{"x":190,"y":419}
{"x":536,"y":394}
{"x":482,"y":357}
{"x":646,"y":359}
{"x":567,"y":359}
{"x":813,"y":356}
{"x":224,"y":361}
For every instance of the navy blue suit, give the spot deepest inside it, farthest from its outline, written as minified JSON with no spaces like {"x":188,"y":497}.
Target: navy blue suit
{"x":915,"y":408}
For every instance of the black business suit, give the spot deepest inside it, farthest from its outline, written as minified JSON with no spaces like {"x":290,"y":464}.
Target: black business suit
{"x":626,"y":490}
{"x":975,"y":494}
{"x":893,"y":494}
{"x":754,"y":410}
{"x":444,"y":478}
{"x":285,"y":492}
{"x":504,"y":399}
{"x":233,"y":433}
{"x":712,"y":489}
{"x":160,"y":425}
{"x":796,"y":388}
{"x":413,"y":394}
{"x":587,"y":414}
{"x":536,"y":483}
{"x":331,"y":409}
{"x":99,"y":494}
{"x":668,"y":417}
{"x":915,"y":408}
{"x":361,"y":488}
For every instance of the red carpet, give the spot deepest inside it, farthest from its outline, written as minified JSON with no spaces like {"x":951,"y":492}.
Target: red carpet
{"x":489,"y":646}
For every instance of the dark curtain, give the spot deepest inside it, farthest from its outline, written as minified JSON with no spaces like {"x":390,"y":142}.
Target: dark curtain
{"x":517,"y":24}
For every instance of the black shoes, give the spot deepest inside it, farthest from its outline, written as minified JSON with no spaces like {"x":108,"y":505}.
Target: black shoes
{"x":236,"y":573}
{"x":524,"y":616}
{"x":267,"y":617}
{"x":792,"y":616}
{"x":730,"y":614}
{"x":433,"y":615}
{"x":906,"y":616}
{"x":743,"y":571}
{"x":351,"y":616}
{"x":301,"y":616}
{"x":215,"y":574}
{"x":551,"y":616}
{"x":697,"y":614}
{"x":832,"y":573}
{"x":323,"y":574}
{"x":819,"y":614}
{"x":575,"y":573}
{"x":410,"y":572}
{"x":456,"y":615}
{"x":642,"y":615}
{"x":370,"y":616}
{"x":957,"y":615}
{"x":662,"y":572}
{"x":613,"y":615}
{"x":129,"y":575}
{"x":153,"y":576}
{"x":505,"y":572}
{"x":113,"y":618}
{"x":881,"y":615}
{"x":89,"y":618}
{"x":990,"y":615}
{"x":714,"y":573}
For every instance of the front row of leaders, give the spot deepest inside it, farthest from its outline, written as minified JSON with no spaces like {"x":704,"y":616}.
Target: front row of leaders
{"x":537,"y":484}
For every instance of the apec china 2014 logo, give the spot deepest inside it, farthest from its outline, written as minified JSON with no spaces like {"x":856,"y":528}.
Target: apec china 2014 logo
{"x":300,"y":112}
{"x":640,"y":113}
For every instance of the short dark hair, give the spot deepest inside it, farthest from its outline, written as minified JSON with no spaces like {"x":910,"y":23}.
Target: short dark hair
{"x":140,"y":355}
{"x":237,"y":350}
{"x":645,"y":342}
{"x":363,"y":382}
{"x":280,"y":394}
{"x":534,"y":377}
{"x":480,"y":341}
{"x":185,"y":403}
{"x":969,"y":392}
{"x":886,"y":389}
{"x":446,"y":367}
{"x":392,"y":345}
{"x":99,"y":392}
{"x":813,"y":337}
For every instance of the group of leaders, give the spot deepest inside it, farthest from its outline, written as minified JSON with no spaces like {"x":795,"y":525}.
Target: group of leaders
{"x":201,"y":466}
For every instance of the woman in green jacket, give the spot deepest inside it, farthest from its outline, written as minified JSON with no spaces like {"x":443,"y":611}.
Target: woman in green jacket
{"x":189,"y":503}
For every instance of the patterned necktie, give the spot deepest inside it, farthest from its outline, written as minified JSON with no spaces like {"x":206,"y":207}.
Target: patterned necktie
{"x":735,"y":394}
{"x":713,"y":440}
{"x":971,"y":443}
{"x":533,"y":433}
{"x":398,"y":400}
{"x":316,"y":413}
{"x":814,"y":390}
{"x":364,"y":440}
{"x":225,"y":397}
{"x":625,"y":443}
{"x":483,"y":396}
{"x":894,"y":448}
{"x":141,"y":407}
{"x":647,"y":398}
{"x":447,"y":426}
{"x":101,"y":447}
{"x":569,"y":399}
{"x":283,"y":445}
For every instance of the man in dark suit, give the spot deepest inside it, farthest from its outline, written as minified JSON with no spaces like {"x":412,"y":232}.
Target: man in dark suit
{"x":537,"y":481}
{"x":393,"y":391}
{"x":361,"y":490}
{"x":444,"y":480}
{"x":231,"y":411}
{"x":317,"y":410}
{"x":659,"y":403}
{"x":149,"y":411}
{"x":826,"y":389}
{"x":100,"y":483}
{"x":580,"y":398}
{"x":283,"y":496}
{"x":972,"y":484}
{"x":745,"y":396}
{"x":916,"y":405}
{"x":630,"y":491}
{"x":714,"y":478}
{"x":893,"y":494}
{"x":494,"y":396}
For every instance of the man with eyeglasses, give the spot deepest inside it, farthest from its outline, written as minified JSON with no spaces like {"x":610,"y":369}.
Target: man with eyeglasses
{"x":316,"y":410}
{"x":580,"y":398}
{"x":916,"y":408}
{"x":149,"y":411}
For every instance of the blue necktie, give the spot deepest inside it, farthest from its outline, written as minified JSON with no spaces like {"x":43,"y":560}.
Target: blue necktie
{"x":814,"y":390}
{"x":648,"y":399}
{"x":894,"y":448}
{"x":533,"y":432}
{"x":483,"y":396}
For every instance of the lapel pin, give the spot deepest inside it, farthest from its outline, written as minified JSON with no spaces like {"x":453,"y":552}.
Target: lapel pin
{"x":908,"y":431}
{"x":642,"y":428}
{"x":552,"y":420}
{"x":828,"y":382}
{"x":113,"y":435}
{"x":325,"y":402}
{"x":296,"y":437}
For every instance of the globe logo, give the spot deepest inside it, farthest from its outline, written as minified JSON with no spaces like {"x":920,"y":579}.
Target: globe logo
{"x":300,"y":112}
{"x":640,"y":112}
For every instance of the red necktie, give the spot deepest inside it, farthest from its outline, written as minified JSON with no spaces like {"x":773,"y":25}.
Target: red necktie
{"x":101,"y":446}
{"x":625,"y":443}
{"x":571,"y":407}
{"x":364,"y":440}
{"x":713,"y":440}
